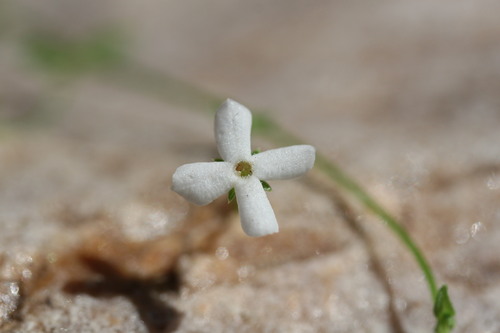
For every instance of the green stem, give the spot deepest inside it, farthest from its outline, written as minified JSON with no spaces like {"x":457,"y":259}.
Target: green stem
{"x":179,"y":92}
{"x":266,"y":127}
{"x":443,"y":307}
{"x":351,"y":186}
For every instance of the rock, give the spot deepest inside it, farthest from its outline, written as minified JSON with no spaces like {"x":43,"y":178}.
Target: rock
{"x":403,"y":96}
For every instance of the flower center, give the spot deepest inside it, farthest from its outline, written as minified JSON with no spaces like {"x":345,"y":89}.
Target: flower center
{"x":244,"y":169}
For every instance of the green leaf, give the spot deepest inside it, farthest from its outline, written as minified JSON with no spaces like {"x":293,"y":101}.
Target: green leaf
{"x":231,"y":195}
{"x":444,"y":311}
{"x":255,"y":152}
{"x":218,"y":160}
{"x":266,"y":186}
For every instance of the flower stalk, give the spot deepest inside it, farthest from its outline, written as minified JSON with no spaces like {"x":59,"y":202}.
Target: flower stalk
{"x":170,"y":88}
{"x":443,"y":307}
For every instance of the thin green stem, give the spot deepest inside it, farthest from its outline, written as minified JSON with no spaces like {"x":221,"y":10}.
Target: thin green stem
{"x":443,"y":307}
{"x":266,"y":127}
{"x":179,"y":92}
{"x":336,"y":174}
{"x":183,"y":93}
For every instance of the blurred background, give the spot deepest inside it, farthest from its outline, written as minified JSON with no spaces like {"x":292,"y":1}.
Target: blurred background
{"x":100,"y":102}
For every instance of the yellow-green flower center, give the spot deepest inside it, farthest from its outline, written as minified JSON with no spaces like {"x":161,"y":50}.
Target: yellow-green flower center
{"x":244,"y":169}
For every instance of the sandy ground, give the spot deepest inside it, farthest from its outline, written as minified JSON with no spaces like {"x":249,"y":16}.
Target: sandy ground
{"x":402,"y":95}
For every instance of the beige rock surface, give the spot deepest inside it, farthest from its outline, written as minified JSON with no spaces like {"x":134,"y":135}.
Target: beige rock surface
{"x":403,"y":95}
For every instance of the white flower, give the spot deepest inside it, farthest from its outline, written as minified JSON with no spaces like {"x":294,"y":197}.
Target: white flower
{"x":201,"y":183}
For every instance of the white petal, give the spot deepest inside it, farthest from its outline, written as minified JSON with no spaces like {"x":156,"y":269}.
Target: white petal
{"x":202,"y":183}
{"x":282,"y":163}
{"x":257,"y":215}
{"x":233,"y":123}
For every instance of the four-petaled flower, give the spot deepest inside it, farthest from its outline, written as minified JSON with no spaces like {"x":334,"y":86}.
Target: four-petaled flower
{"x":201,"y":183}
